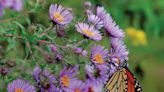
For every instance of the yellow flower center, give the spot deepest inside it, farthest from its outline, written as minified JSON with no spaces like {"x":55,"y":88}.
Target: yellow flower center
{"x":98,"y":58}
{"x":77,"y":90}
{"x":18,"y":90}
{"x":65,"y":81}
{"x":88,"y":32}
{"x":90,"y":89}
{"x":58,"y":17}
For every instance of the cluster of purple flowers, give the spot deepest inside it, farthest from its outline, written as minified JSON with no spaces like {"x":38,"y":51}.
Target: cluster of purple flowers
{"x":17,"y":5}
{"x":98,"y":70}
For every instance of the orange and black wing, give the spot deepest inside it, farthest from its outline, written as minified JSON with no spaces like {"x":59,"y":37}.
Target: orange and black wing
{"x":133,"y":84}
{"x":123,"y":81}
{"x":118,"y":82}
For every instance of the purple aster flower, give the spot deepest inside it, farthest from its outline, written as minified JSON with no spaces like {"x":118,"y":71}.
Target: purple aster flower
{"x":6,"y":3}
{"x":89,"y":31}
{"x":100,"y":12}
{"x":17,"y":5}
{"x":36,"y":74}
{"x":44,"y":80}
{"x":47,"y":84}
{"x":118,"y":52}
{"x":88,"y":12}
{"x":87,"y":4}
{"x":80,"y":51}
{"x":60,"y":15}
{"x":77,"y":50}
{"x":96,"y":21}
{"x":1,"y":10}
{"x":99,"y":72}
{"x":53,"y":47}
{"x":49,"y":88}
{"x":84,"y":53}
{"x":93,"y":85}
{"x":102,"y":73}
{"x":109,"y":24}
{"x":98,"y":54}
{"x":67,"y":77}
{"x":58,"y":90}
{"x":52,"y":78}
{"x":113,"y":69}
{"x":20,"y":86}
{"x":77,"y":86}
{"x":112,"y":28}
{"x":14,"y":4}
{"x":89,"y":70}
{"x":46,"y":72}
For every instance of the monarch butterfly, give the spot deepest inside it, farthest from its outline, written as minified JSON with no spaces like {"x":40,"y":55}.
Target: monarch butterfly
{"x":123,"y":81}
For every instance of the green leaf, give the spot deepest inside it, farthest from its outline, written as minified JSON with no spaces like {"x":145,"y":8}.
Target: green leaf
{"x":22,"y":28}
{"x":12,"y":43}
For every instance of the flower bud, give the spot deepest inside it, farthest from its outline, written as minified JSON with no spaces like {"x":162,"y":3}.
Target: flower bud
{"x":48,"y":59}
{"x":4,"y":71}
{"x":77,"y":50}
{"x":59,"y":57}
{"x":46,"y":85}
{"x":61,"y":33}
{"x":53,"y":47}
{"x":84,"y":53}
{"x":88,"y":12}
{"x":87,"y":4}
{"x":10,"y":63}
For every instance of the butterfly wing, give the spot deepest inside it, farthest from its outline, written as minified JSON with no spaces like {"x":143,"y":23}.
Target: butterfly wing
{"x":133,"y":84}
{"x":123,"y":81}
{"x":117,"y":82}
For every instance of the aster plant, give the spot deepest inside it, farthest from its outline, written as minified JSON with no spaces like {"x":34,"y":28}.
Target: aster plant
{"x":76,"y":61}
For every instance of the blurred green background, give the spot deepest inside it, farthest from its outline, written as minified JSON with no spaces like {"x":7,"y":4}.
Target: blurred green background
{"x":146,"y":57}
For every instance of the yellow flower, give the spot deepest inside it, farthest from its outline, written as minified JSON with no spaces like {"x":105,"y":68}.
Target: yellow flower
{"x":131,"y":31}
{"x":138,"y":37}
